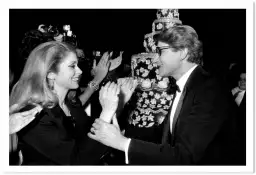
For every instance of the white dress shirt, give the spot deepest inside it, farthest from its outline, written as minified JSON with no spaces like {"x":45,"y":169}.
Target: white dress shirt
{"x":181,"y":83}
{"x":240,"y":95}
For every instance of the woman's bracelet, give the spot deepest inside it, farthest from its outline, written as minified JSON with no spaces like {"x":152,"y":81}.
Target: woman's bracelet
{"x":94,"y":85}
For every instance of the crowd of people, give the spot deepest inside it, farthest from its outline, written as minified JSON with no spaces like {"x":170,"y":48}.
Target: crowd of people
{"x":167,"y":110}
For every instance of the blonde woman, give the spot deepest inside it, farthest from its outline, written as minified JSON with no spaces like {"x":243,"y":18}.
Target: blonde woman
{"x":58,"y":134}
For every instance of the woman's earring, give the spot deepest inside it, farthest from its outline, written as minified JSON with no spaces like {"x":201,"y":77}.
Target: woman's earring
{"x":51,"y":84}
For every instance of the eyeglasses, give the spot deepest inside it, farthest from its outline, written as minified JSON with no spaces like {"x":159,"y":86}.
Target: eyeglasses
{"x":159,"y":49}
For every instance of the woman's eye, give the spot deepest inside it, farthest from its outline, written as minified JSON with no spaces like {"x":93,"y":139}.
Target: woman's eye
{"x":72,"y":66}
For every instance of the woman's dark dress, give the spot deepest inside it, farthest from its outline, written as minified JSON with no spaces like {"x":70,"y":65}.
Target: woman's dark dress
{"x":56,"y":139}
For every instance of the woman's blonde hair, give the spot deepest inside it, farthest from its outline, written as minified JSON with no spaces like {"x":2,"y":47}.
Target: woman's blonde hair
{"x":33,"y":86}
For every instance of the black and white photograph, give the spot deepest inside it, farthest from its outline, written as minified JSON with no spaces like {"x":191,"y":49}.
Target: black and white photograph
{"x":130,"y":87}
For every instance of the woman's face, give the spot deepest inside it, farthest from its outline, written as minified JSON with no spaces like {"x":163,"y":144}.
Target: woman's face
{"x":69,"y":73}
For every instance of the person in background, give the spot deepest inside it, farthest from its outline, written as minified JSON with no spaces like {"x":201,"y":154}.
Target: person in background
{"x":201,"y":127}
{"x":239,"y":96}
{"x":57,"y":135}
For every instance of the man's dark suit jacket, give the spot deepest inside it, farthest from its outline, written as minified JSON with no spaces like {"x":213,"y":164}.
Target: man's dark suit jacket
{"x":204,"y":132}
{"x":52,"y":139}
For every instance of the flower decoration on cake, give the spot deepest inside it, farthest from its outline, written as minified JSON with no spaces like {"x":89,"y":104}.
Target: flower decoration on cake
{"x":154,"y":94}
{"x":166,"y":18}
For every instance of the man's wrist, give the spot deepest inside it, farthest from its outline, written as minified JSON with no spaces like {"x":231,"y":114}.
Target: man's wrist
{"x":124,"y":144}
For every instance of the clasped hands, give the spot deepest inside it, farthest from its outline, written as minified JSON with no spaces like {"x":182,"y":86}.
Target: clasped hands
{"x":106,"y":129}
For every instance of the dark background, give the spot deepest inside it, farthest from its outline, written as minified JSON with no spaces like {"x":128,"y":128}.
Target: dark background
{"x":222,"y":31}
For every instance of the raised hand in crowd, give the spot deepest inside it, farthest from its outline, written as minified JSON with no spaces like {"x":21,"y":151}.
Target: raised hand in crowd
{"x":17,"y":121}
{"x":114,"y":63}
{"x":20,"y":119}
{"x":108,"y":98}
{"x":100,"y":70}
{"x":127,"y":87}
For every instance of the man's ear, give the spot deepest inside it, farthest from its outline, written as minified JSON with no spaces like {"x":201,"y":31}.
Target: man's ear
{"x":184,"y":54}
{"x":51,"y":76}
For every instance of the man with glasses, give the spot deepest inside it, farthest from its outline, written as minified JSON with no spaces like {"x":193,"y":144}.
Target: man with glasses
{"x":200,"y":127}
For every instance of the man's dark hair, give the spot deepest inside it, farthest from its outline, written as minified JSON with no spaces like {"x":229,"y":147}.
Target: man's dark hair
{"x":180,"y":37}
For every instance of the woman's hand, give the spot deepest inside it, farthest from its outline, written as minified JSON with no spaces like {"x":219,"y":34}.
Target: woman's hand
{"x":109,"y":100}
{"x":127,"y":87}
{"x":114,"y":63}
{"x":19,"y":120}
{"x":101,"y":70}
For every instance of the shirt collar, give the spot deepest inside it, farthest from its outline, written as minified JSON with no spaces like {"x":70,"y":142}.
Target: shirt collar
{"x":183,"y":79}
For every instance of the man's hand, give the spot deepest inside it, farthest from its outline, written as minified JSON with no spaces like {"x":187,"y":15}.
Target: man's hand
{"x":108,"y":134}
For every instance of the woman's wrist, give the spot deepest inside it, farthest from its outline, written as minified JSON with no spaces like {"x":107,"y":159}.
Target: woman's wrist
{"x":97,"y":80}
{"x":107,"y":115}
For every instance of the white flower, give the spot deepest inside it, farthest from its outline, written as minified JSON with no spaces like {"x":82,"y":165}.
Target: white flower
{"x":147,"y":61}
{"x":141,"y":69}
{"x":154,"y":47}
{"x":153,"y":101}
{"x":163,"y":11}
{"x":146,"y":101}
{"x":169,"y":25}
{"x":166,"y":79}
{"x":163,"y":101}
{"x":146,"y":83}
{"x":145,"y":73}
{"x":162,"y":84}
{"x":157,"y":96}
{"x":159,"y":26}
{"x":137,"y":72}
{"x":150,"y":67}
{"x":144,"y":117}
{"x":151,"y":93}
{"x":147,"y":112}
{"x":150,"y":117}
{"x":144,"y":95}
{"x":168,"y":97}
{"x":158,"y":77}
